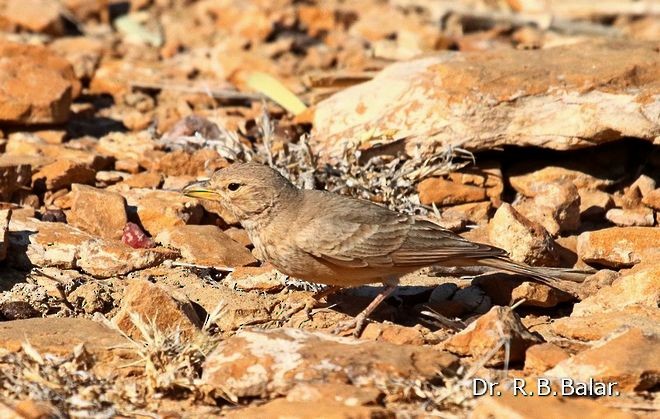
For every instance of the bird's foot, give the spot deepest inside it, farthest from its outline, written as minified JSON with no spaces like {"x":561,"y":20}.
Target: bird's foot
{"x":357,"y":324}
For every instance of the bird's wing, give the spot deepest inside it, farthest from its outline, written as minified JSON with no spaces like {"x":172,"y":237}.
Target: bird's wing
{"x":349,"y":232}
{"x":428,"y":243}
{"x":355,"y":233}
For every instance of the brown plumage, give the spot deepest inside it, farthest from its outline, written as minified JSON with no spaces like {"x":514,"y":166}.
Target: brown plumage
{"x":331,"y":239}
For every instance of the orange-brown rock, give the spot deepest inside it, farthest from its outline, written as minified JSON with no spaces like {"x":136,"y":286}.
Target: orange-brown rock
{"x":12,"y":178}
{"x":489,"y":332}
{"x":5,"y":216}
{"x":64,"y":246}
{"x":34,"y":15}
{"x":482,"y":100}
{"x":149,"y":180}
{"x":267,"y":363}
{"x":599,"y":325}
{"x":542,"y":357}
{"x":594,"y":203}
{"x":84,"y":53}
{"x":37,"y":85}
{"x":526,"y":241}
{"x":526,"y":179}
{"x":652,"y":199}
{"x":556,"y":206}
{"x":60,"y":336}
{"x":206,"y":245}
{"x":619,"y":246}
{"x":61,"y":174}
{"x":473,"y":212}
{"x":640,"y":217}
{"x":255,"y":278}
{"x":97,"y":211}
{"x":510,"y":406}
{"x":640,"y":287}
{"x":152,"y":303}
{"x":443,"y":192}
{"x":631,"y":359}
{"x":328,"y":408}
{"x":160,"y":210}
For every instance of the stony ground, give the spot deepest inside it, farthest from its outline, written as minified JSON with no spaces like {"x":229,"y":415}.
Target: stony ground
{"x":532,"y":128}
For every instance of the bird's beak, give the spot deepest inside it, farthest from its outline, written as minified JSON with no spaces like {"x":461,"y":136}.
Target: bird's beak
{"x":200,"y":190}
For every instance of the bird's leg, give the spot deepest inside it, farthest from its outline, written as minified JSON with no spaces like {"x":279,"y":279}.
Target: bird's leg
{"x":311,"y":302}
{"x":359,"y":322}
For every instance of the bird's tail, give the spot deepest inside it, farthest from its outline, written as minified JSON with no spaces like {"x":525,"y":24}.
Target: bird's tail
{"x":559,"y":278}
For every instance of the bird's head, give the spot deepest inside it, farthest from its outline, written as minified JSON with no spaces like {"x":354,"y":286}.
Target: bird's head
{"x":246,"y":189}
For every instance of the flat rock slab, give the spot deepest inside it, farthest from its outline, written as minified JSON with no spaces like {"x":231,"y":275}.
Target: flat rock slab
{"x":60,"y":336}
{"x":562,"y":98}
{"x":33,"y":242}
{"x":508,"y":406}
{"x":263,"y":363}
{"x":631,"y":359}
{"x":36,"y":86}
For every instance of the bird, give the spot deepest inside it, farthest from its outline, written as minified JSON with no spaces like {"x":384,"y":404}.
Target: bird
{"x":341,"y":241}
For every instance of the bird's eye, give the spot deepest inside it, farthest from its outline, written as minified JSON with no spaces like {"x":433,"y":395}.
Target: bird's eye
{"x":233,"y":187}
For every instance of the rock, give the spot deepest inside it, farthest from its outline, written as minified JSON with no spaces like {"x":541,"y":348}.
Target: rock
{"x":510,"y":406}
{"x":60,"y":245}
{"x":524,"y":240}
{"x":266,"y":363}
{"x":481,"y":101}
{"x":284,"y":409}
{"x":31,"y":409}
{"x":652,"y":199}
{"x":239,"y":235}
{"x":346,"y":394}
{"x":12,"y":178}
{"x":443,"y":192}
{"x":262,"y":278}
{"x":542,"y":357}
{"x":97,"y":211}
{"x":619,"y":246}
{"x":161,"y":210}
{"x":59,"y":336}
{"x":599,"y":325}
{"x":645,"y":184}
{"x":239,"y":309}
{"x":34,"y":15}
{"x":594,"y":203}
{"x":92,"y":297}
{"x":525,"y":180}
{"x":153,"y":303}
{"x":149,"y":180}
{"x":474,"y":212}
{"x":5,"y":216}
{"x":127,"y":147}
{"x":206,"y":246}
{"x":630,"y":359}
{"x":556,"y":206}
{"x":133,"y":236}
{"x":505,"y":291}
{"x":488,"y":175}
{"x":490,"y":331}
{"x":638,"y":288}
{"x":107,"y":258}
{"x":61,"y":174}
{"x":641,"y":216}
{"x":17,"y":310}
{"x":84,"y":53}
{"x":394,"y":333}
{"x":37,"y":85}
{"x":109,"y":177}
{"x":202,"y":162}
